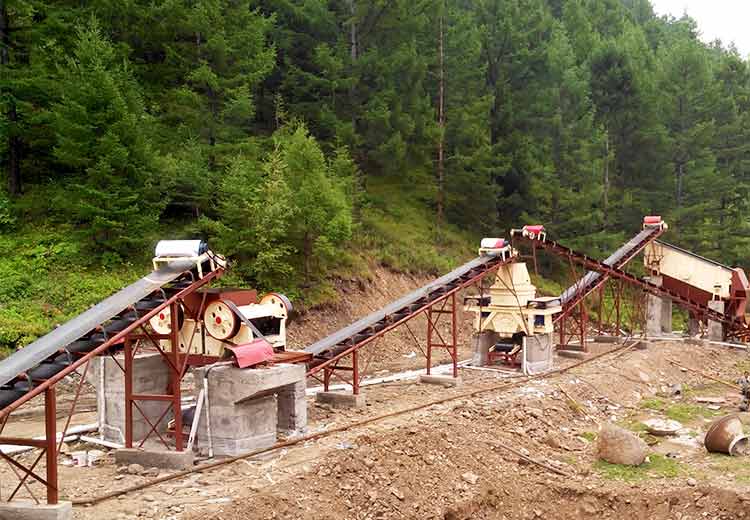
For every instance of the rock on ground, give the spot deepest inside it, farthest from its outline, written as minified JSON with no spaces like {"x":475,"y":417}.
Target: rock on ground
{"x":619,"y":446}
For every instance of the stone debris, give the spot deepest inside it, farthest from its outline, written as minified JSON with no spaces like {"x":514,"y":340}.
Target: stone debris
{"x":619,"y":446}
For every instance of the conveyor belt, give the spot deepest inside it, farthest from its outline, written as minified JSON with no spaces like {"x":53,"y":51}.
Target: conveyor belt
{"x":401,"y":309}
{"x":592,"y":279}
{"x":735,"y":327}
{"x":47,"y":360}
{"x":41,"y":349}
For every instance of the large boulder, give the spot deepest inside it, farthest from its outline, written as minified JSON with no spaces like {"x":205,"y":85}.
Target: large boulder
{"x":619,"y":446}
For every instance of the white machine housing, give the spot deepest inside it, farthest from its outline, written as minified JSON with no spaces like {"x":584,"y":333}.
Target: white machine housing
{"x":187,"y":251}
{"x":221,"y":327}
{"x":513,"y":310}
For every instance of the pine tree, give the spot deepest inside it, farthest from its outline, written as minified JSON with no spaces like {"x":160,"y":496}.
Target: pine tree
{"x":103,"y":144}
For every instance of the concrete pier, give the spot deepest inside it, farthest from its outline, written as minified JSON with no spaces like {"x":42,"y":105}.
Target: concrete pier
{"x":28,"y":510}
{"x":658,"y":311}
{"x":150,"y":376}
{"x":248,"y":406}
{"x":482,"y":342}
{"x":716,"y":328}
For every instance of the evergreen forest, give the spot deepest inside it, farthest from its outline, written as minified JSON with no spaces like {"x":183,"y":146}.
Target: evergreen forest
{"x":307,"y":139}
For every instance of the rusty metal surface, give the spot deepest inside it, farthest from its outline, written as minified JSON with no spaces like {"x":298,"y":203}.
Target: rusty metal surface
{"x":737,"y":328}
{"x":592,"y":279}
{"x":402,"y":311}
{"x":292,"y":356}
{"x":250,"y":354}
{"x":370,"y":320}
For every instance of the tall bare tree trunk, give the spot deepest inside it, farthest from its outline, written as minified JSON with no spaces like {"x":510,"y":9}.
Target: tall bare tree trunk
{"x":605,"y":198}
{"x":441,"y":126}
{"x":359,"y":181}
{"x":14,"y":143}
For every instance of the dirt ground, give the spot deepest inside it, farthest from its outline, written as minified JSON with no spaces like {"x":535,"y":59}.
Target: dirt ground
{"x":459,"y":458}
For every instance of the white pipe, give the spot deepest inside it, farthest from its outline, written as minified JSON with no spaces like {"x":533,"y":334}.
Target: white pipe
{"x":71,"y":435}
{"x":101,"y":401}
{"x":101,"y":442}
{"x":196,"y":418}
{"x":401,"y":376}
{"x":711,"y":342}
{"x":488,"y":369}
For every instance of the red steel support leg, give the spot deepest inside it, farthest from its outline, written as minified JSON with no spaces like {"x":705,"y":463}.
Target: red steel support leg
{"x":562,"y":332}
{"x":601,"y":307}
{"x":327,"y":378}
{"x":583,"y":322}
{"x":618,"y":298}
{"x":429,"y":340}
{"x":128,"y":352}
{"x":50,"y":411}
{"x":454,"y":351}
{"x":176,"y":377}
{"x":355,"y":373}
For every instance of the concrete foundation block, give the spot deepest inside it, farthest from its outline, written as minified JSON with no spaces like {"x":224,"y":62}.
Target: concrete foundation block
{"x":715,"y":328}
{"x":446,"y":381}
{"x":292,"y":414}
{"x":248,"y":406}
{"x":654,"y":309}
{"x":163,"y":459}
{"x":150,"y":376}
{"x":483,"y":341}
{"x":666,"y":316}
{"x":28,"y":510}
{"x":340,"y":399}
{"x":607,"y":339}
{"x":230,"y":447}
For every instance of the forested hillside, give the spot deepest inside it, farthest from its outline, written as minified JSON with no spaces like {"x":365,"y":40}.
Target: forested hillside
{"x":305,"y":137}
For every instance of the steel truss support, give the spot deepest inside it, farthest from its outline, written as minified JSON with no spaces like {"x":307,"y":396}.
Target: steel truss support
{"x":442,"y":301}
{"x":433,"y":317}
{"x":48,"y":449}
{"x":435,"y":340}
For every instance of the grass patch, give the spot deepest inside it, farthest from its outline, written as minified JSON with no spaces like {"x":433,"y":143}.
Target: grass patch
{"x":737,"y":467}
{"x":589,"y":436}
{"x":653,"y":404}
{"x":658,"y":466}
{"x":680,"y":412}
{"x":685,"y":413}
{"x":634,"y":425}
{"x":404,"y":236}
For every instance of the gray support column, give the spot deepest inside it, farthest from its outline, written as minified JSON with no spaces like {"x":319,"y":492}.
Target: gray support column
{"x":150,"y":376}
{"x":654,"y":310}
{"x":666,"y":316}
{"x":483,"y":341}
{"x":715,"y":328}
{"x":292,"y":415}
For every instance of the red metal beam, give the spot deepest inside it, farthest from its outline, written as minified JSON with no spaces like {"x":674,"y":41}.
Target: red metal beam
{"x":117,"y":338}
{"x":335,"y":358}
{"x":738,"y":328}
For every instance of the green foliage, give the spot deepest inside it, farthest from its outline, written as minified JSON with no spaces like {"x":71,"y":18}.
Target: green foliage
{"x":589,"y":436}
{"x":682,"y":412}
{"x":657,"y":466}
{"x":46,"y":280}
{"x":101,"y":126}
{"x":119,"y":121}
{"x":283,"y":220}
